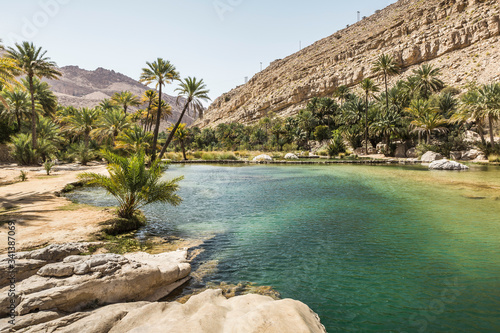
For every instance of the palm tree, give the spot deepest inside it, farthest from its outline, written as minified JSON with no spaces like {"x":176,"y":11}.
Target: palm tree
{"x":427,"y":81}
{"x":83,"y":122}
{"x":426,"y":119}
{"x":125,"y":99}
{"x":33,"y":63}
{"x":8,"y":71}
{"x":194,"y":91}
{"x":107,"y":105}
{"x":387,"y":124}
{"x":133,"y":185}
{"x":18,"y":105}
{"x":385,"y":65}
{"x":342,"y":92}
{"x":161,"y":72}
{"x":148,"y":97}
{"x":490,"y":99}
{"x":369,"y":87}
{"x":471,"y":110}
{"x":181,"y":136}
{"x":110,"y":125}
{"x":165,"y":112}
{"x":44,"y":96}
{"x":134,"y":139}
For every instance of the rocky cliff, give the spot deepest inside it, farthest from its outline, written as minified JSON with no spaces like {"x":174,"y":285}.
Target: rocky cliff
{"x":459,"y":36}
{"x":82,"y":88}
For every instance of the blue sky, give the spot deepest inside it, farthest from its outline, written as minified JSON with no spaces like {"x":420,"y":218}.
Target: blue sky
{"x":221,"y":41}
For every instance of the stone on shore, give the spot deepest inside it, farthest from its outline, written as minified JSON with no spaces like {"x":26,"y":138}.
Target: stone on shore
{"x":79,"y":282}
{"x":431,"y":156}
{"x":207,"y":312}
{"x":262,"y":158}
{"x":447,"y":165}
{"x":291,"y":156}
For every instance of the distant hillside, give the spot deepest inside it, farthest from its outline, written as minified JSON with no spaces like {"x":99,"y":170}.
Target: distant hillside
{"x":461,"y":37}
{"x":82,"y":88}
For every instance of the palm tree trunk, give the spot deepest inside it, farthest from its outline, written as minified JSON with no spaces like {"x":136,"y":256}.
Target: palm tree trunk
{"x":183,"y":150}
{"x":366,"y":125}
{"x":481,"y":133}
{"x":33,"y":112}
{"x":492,"y":137}
{"x":125,"y":109}
{"x":18,"y":117}
{"x":171,"y":136}
{"x":157,"y":128}
{"x":147,"y":117}
{"x":428,"y":137}
{"x":386,"y":90}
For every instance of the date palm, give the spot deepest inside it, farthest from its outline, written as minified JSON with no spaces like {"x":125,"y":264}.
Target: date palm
{"x":160,"y":72}
{"x":194,"y":91}
{"x":148,"y":97}
{"x":181,"y":135}
{"x":426,"y":119}
{"x":134,"y":139}
{"x":107,"y":105}
{"x":125,"y":99}
{"x":427,"y":81}
{"x":342,"y":92}
{"x":133,"y":185}
{"x":82,"y":123}
{"x":370,"y":88}
{"x":165,"y":112}
{"x":110,"y":125}
{"x":33,"y":63}
{"x":44,"y":96}
{"x":17,"y":105}
{"x":385,"y":65}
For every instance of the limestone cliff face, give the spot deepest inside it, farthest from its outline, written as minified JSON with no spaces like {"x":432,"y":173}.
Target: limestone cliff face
{"x":459,"y":36}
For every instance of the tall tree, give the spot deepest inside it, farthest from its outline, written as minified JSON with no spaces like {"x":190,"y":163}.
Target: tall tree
{"x":427,"y":81}
{"x":18,"y":105}
{"x":194,"y":91}
{"x":385,"y":65}
{"x":369,"y":87}
{"x":160,"y":72}
{"x":83,"y":122}
{"x":44,"y":96}
{"x":125,"y":99}
{"x":148,"y":97}
{"x":110,"y":125}
{"x":427,"y":119}
{"x":342,"y":92}
{"x":33,"y":63}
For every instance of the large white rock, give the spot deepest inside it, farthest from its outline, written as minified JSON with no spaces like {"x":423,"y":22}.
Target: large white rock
{"x":262,"y":157}
{"x":447,"y":165}
{"x":208,"y":312}
{"x":291,"y":156}
{"x":431,"y":156}
{"x":82,"y":281}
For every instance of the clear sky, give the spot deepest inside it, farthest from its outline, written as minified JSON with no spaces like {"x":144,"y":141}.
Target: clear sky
{"x":221,"y":41}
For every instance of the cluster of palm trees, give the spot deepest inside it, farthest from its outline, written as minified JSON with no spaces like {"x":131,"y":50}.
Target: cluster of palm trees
{"x":42,"y":129}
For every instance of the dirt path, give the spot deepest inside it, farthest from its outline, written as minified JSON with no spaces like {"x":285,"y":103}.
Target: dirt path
{"x":40,"y":216}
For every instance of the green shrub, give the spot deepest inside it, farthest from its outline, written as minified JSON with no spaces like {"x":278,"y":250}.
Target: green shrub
{"x":198,"y":154}
{"x":48,"y":165}
{"x":23,"y":151}
{"x":228,"y":156}
{"x":323,"y":153}
{"x":208,"y":156}
{"x":321,"y":132}
{"x":336,"y":145}
{"x":23,"y":176}
{"x":81,"y":153}
{"x":494,"y":158}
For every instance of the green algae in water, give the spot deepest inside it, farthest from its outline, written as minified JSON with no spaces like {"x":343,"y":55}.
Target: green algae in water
{"x":369,"y":248}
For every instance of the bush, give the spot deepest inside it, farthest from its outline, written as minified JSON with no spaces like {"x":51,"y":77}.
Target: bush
{"x":336,"y":145}
{"x":323,"y":153}
{"x":48,"y":165}
{"x":228,"y":156}
{"x":81,"y":153}
{"x":23,"y":151}
{"x":208,"y":156}
{"x":489,"y":149}
{"x":23,"y":176}
{"x":321,"y":132}
{"x":494,"y":158}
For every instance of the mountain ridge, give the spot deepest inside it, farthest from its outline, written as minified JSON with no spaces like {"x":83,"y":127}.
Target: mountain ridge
{"x":458,"y":36}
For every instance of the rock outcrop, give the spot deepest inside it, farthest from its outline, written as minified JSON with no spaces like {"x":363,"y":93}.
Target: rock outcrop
{"x":291,"y":156}
{"x":447,"y":165}
{"x":206,"y":312}
{"x":461,"y":37}
{"x":262,"y":158}
{"x":78,"y":282}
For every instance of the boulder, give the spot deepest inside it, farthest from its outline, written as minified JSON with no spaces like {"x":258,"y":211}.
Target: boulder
{"x":481,"y":158}
{"x":262,"y":158}
{"x":400,"y":151}
{"x":291,"y":156}
{"x":455,"y":155}
{"x":447,"y":165}
{"x":411,"y":153}
{"x":471,"y":155}
{"x":78,"y":282}
{"x":207,"y":312}
{"x":431,"y":156}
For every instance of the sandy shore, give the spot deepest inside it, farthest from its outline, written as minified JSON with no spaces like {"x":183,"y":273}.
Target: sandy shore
{"x":41,"y":217}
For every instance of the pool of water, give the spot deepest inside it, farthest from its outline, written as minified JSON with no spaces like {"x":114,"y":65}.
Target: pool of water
{"x":369,"y":248}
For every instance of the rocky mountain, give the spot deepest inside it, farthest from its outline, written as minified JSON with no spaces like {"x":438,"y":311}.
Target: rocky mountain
{"x":459,"y":36}
{"x":82,"y":88}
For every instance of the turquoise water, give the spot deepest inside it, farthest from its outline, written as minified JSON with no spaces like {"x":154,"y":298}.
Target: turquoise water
{"x":369,"y":248}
